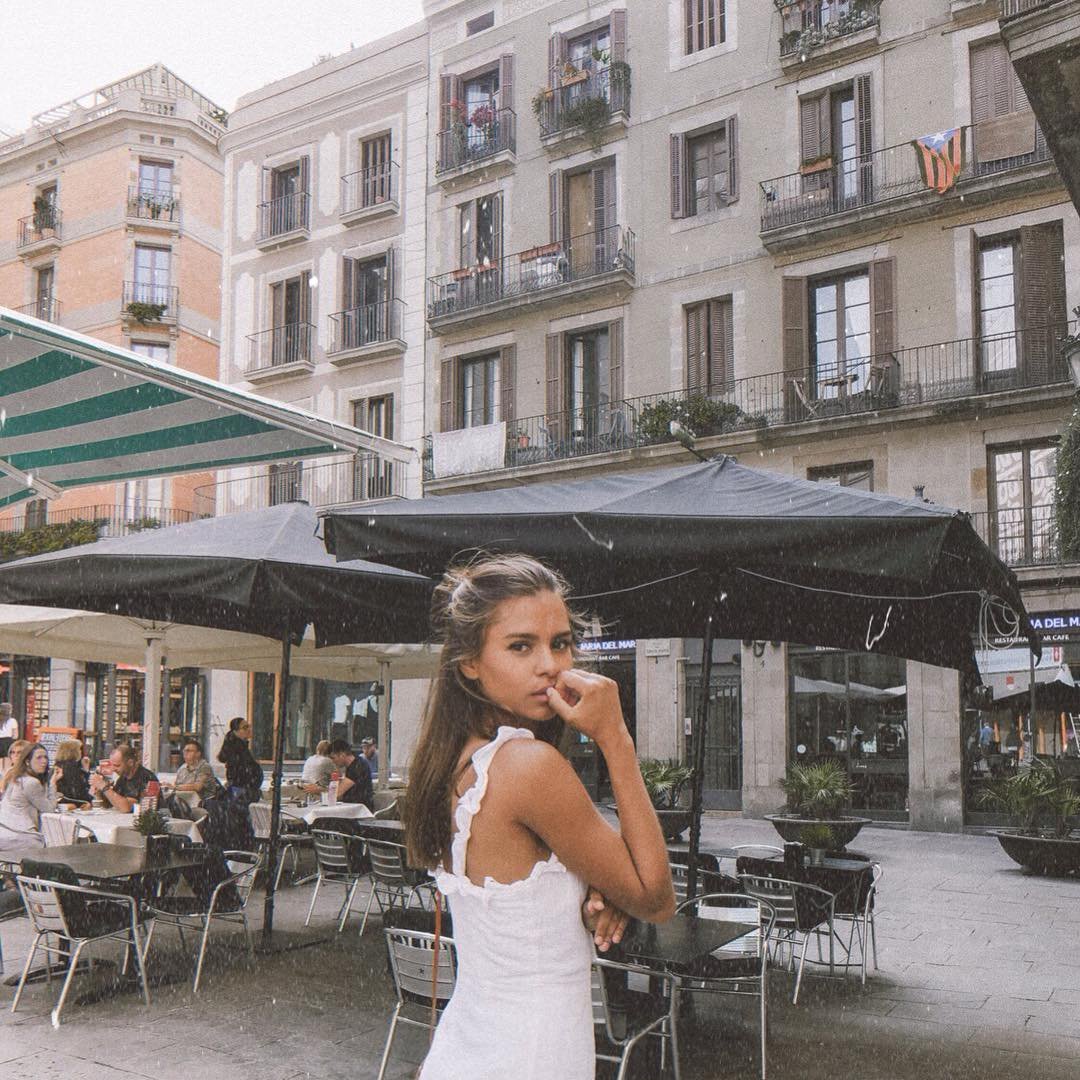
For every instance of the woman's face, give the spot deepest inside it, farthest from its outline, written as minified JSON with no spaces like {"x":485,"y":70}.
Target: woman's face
{"x":39,"y":760}
{"x":244,"y":730}
{"x":527,"y":644}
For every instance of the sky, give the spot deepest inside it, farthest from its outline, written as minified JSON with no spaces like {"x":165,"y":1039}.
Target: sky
{"x":224,"y":48}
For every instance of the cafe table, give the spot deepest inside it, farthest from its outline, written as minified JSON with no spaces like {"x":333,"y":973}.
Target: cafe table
{"x":309,"y":814}
{"x":849,"y":880}
{"x":105,"y":824}
{"x":679,"y":945}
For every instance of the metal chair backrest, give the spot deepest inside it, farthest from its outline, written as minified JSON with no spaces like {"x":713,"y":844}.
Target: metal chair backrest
{"x":244,"y":867}
{"x":608,"y":1009}
{"x":260,"y":820}
{"x":757,"y":851}
{"x":412,"y":963}
{"x":387,"y":862}
{"x":388,"y":812}
{"x":736,"y":907}
{"x":332,"y":852}
{"x":41,"y":899}
{"x":706,"y":864}
{"x":57,"y":831}
{"x":798,"y":905}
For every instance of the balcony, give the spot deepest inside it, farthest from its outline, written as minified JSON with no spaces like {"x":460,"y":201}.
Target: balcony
{"x":935,"y":377}
{"x":280,"y":352}
{"x":1043,"y":39}
{"x":363,"y":478}
{"x":149,"y":305}
{"x":46,"y":308}
{"x":1020,"y":536}
{"x":826,"y":199}
{"x":365,"y":333}
{"x":153,"y":206}
{"x":40,"y":232}
{"x":582,"y":265}
{"x":489,"y":138}
{"x":284,"y":220}
{"x":587,"y":102}
{"x":825,"y":28}
{"x":110,"y":520}
{"x":370,"y":193}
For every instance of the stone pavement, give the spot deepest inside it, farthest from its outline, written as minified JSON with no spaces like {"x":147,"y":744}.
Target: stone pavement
{"x":979,"y":977}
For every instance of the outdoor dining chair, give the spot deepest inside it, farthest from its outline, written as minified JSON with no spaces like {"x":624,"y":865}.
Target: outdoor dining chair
{"x":412,"y":965}
{"x":741,"y":963}
{"x":339,"y":861}
{"x":623,"y":1016}
{"x":290,"y":841}
{"x":801,"y":912}
{"x":67,"y":916}
{"x":710,"y":877}
{"x":393,"y":883}
{"x":222,"y":888}
{"x":860,"y":917}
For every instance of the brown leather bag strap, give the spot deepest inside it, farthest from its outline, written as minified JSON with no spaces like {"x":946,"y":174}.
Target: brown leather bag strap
{"x":435,"y":965}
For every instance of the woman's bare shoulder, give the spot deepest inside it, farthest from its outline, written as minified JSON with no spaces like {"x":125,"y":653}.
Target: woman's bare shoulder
{"x":526,"y":761}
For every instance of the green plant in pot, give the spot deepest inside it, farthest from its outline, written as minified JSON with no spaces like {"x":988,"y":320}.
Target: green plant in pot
{"x":153,"y":826}
{"x":819,"y":840}
{"x":145,"y":313}
{"x":817,"y":793}
{"x":664,"y":784}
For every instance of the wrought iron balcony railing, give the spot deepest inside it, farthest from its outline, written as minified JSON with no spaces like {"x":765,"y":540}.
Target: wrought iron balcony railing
{"x":369,"y":188}
{"x":159,"y":203}
{"x":43,"y":224}
{"x":807,"y":25}
{"x":367,"y":325}
{"x":147,"y":302}
{"x":44,"y":307}
{"x":286,"y":214}
{"x":1010,"y":9}
{"x":1021,"y":535}
{"x":583,"y":98}
{"x":363,"y":478}
{"x":464,"y":143}
{"x":110,"y":520}
{"x":534,"y":270}
{"x":923,"y":374}
{"x":280,"y":345}
{"x":826,"y":188}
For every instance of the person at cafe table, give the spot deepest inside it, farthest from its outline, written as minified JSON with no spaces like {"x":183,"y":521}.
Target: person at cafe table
{"x":355,"y":786}
{"x":196,"y":774}
{"x":129,"y":781}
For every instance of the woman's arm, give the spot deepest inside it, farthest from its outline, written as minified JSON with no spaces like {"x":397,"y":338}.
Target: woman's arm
{"x":37,"y":795}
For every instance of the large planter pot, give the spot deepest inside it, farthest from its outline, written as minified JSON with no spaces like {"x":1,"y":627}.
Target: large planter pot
{"x":1042,"y":854}
{"x":674,"y":823}
{"x":157,"y":848}
{"x":844,"y":829}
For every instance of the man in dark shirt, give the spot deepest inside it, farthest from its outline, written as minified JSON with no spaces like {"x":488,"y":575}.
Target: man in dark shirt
{"x":129,"y":780}
{"x":355,"y":786}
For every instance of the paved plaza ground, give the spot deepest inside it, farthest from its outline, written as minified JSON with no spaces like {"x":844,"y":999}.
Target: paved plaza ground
{"x":979,"y":978}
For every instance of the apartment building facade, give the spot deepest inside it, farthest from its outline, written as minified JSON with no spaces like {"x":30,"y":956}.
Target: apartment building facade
{"x":827,"y":237}
{"x":110,"y":207}
{"x":323,"y":291}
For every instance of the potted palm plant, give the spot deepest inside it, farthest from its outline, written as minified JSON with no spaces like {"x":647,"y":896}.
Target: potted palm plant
{"x":816,"y":794}
{"x":665,"y":782}
{"x":152,"y":826}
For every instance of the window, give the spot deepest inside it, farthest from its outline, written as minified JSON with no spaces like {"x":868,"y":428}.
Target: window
{"x":44,"y":300}
{"x":480,"y":232}
{"x":480,"y":390}
{"x":704,"y":172}
{"x":857,"y":474}
{"x":285,"y":482}
{"x":153,"y":274}
{"x":1022,"y":511}
{"x":375,"y":170}
{"x":480,"y":96}
{"x":704,"y":24}
{"x":584,"y":372}
{"x":290,"y":308}
{"x":481,"y":22}
{"x":286,"y":190}
{"x":584,"y":218}
{"x":474,"y":119}
{"x":368,"y":290}
{"x":37,"y":513}
{"x":840,"y":348}
{"x":155,"y":179}
{"x":155,"y":350}
{"x":710,"y":348}
{"x":836,"y":143}
{"x":997,"y":304}
{"x":373,"y":478}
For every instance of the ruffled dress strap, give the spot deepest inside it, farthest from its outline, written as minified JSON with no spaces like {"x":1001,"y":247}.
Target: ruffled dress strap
{"x":469,"y":803}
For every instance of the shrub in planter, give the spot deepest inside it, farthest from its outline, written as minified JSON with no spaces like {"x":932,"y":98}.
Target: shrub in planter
{"x":145,"y":313}
{"x":664,"y":783}
{"x":817,"y":791}
{"x":699,"y":413}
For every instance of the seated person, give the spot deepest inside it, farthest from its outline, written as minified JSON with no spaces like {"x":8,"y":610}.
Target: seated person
{"x":315,"y":778}
{"x":71,"y":779}
{"x":355,"y":786}
{"x":196,"y":774}
{"x":129,"y":780}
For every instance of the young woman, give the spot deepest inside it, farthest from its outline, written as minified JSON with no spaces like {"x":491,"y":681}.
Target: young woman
{"x":511,"y":831}
{"x":26,"y":797}
{"x":72,"y":781}
{"x":243,"y":774}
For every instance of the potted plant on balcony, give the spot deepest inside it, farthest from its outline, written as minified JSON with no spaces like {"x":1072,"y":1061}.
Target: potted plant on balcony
{"x":144,"y":313}
{"x":816,"y":794}
{"x":697,"y":412}
{"x":572,"y":74}
{"x":1040,"y":803}
{"x":43,"y":214}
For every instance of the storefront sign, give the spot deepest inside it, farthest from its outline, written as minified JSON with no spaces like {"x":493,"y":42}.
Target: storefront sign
{"x":1052,"y":626}
{"x":600,"y":650}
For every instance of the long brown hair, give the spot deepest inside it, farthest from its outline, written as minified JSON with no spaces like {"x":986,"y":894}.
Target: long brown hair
{"x":22,"y":766}
{"x":456,"y":710}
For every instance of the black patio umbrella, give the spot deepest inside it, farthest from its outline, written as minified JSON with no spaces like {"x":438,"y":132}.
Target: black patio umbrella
{"x":741,"y":552}
{"x":263,"y":572}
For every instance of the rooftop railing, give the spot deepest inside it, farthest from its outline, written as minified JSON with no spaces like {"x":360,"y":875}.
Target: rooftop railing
{"x":823,"y":189}
{"x":147,"y":302}
{"x":1020,"y":535}
{"x":43,"y":224}
{"x":285,"y":214}
{"x":366,"y":325}
{"x":807,"y":25}
{"x":369,"y":188}
{"x":533,"y":270}
{"x":44,"y":307}
{"x":569,"y":105}
{"x":464,"y":143}
{"x":153,"y":203}
{"x":280,"y":345}
{"x":110,"y":520}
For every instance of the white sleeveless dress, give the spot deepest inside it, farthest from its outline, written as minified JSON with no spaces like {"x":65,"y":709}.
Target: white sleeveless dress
{"x":521,"y":1007}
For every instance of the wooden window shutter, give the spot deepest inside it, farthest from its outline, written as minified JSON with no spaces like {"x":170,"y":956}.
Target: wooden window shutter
{"x":448,"y":392}
{"x":497,"y":228}
{"x":556,"y":232}
{"x":391,"y":283}
{"x":446,"y":95}
{"x":305,"y":174}
{"x":982,"y":64}
{"x":976,"y":287}
{"x":721,"y":368}
{"x":387,"y":299}
{"x":1043,"y":311}
{"x":793,"y":316}
{"x":508,"y":381}
{"x":506,"y":81}
{"x":696,"y":369}
{"x":556,"y":54}
{"x":554,"y":381}
{"x":731,"y":137}
{"x":305,"y":296}
{"x":678,"y":176}
{"x":277,"y":304}
{"x":303,"y":215}
{"x":814,"y":141}
{"x":467,"y":233}
{"x":618,"y":34}
{"x":348,"y":283}
{"x":267,"y":184}
{"x":864,"y":137}
{"x":883,"y":307}
{"x":615,"y":361}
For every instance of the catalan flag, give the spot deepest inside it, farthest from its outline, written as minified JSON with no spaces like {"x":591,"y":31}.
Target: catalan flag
{"x":941,"y":158}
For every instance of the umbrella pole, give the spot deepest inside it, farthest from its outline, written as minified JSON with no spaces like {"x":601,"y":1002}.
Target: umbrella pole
{"x":151,"y":726}
{"x":383,"y":779}
{"x":1031,"y":713}
{"x":275,"y":790}
{"x":700,"y":722}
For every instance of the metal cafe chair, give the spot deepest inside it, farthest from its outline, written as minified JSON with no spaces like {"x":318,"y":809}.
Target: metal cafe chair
{"x":224,"y":899}
{"x":66,"y":917}
{"x":338,"y":857}
{"x":393,"y":883}
{"x":623,"y":1016}
{"x":710,"y":877}
{"x":412,"y":964}
{"x":862,"y":928}
{"x":741,"y":963}
{"x":289,"y":841}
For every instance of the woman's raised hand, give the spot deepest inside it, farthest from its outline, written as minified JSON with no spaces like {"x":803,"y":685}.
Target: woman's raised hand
{"x":589,"y":703}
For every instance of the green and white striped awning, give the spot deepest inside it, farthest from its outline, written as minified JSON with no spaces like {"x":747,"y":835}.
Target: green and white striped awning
{"x":77,"y":411}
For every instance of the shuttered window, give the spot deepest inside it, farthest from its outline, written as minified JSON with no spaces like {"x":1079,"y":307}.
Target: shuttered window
{"x":1005,"y":126}
{"x":704,"y":170}
{"x":710,"y":346}
{"x":1022,"y":514}
{"x":478,"y":389}
{"x":836,"y":140}
{"x":704,"y":24}
{"x":480,"y":231}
